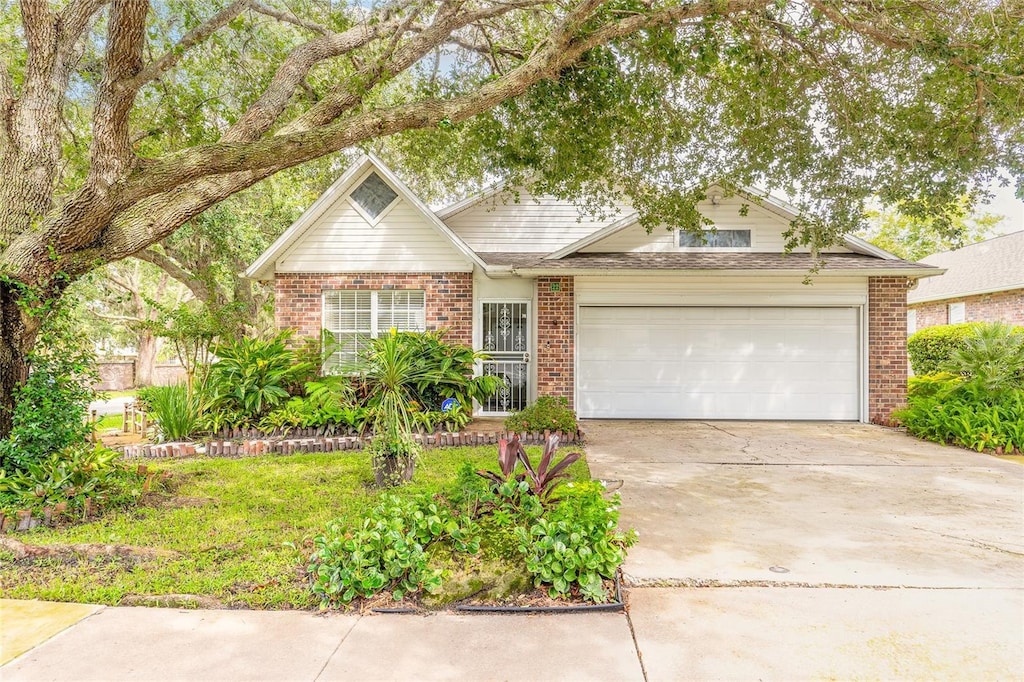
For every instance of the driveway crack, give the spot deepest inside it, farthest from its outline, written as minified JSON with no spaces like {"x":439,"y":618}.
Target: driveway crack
{"x":971,"y":541}
{"x":746,"y":441}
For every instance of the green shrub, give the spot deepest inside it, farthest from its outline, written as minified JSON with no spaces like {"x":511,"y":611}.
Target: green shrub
{"x":65,"y":479}
{"x":548,"y":413}
{"x":577,"y":544}
{"x":963,"y":413}
{"x":932,"y":347}
{"x":932,"y":385}
{"x":387,"y":552}
{"x":51,"y":405}
{"x":992,"y":357}
{"x":251,"y":377}
{"x":176,"y":410}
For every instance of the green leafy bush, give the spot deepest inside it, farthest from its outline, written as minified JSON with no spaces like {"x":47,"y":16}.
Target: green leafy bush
{"x":328,"y":405}
{"x":177,"y":411}
{"x":51,"y":405}
{"x":437,"y":370}
{"x":577,"y":544}
{"x":388,"y":551}
{"x":548,"y":413}
{"x":65,"y":479}
{"x":251,"y":377}
{"x":963,"y":416}
{"x":979,"y":402}
{"x":932,"y":347}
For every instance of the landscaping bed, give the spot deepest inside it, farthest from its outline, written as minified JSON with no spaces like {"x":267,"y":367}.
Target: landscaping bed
{"x":234,"y":533}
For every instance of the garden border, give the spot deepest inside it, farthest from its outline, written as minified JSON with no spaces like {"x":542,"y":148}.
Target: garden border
{"x":253,"y":443}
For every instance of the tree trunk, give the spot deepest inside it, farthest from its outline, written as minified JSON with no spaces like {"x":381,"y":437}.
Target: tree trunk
{"x":145,"y":360}
{"x":17,"y":334}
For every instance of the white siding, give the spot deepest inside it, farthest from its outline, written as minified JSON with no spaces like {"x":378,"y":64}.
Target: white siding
{"x":681,"y":290}
{"x":533,"y":224}
{"x":766,"y":231}
{"x":341,"y":240}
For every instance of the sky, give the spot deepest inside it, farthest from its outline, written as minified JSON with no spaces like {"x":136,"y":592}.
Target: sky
{"x":1006,"y":204}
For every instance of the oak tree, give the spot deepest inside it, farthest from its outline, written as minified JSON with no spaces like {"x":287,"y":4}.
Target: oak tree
{"x":122,"y":120}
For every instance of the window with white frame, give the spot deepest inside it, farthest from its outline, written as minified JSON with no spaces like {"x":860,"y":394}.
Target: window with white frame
{"x":911,"y":322}
{"x":957,"y":313}
{"x":714,"y":239}
{"x":355,"y":317}
{"x":373,"y":196}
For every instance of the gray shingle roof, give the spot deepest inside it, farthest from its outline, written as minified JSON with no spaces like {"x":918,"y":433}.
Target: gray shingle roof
{"x":853,"y":262}
{"x":992,"y":265}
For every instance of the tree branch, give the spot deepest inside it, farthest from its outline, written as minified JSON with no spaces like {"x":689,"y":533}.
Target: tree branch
{"x":172,"y":268}
{"x":293,"y":70}
{"x":197,"y":35}
{"x":111,"y":145}
{"x":286,"y":17}
{"x":74,"y":21}
{"x":292,"y":148}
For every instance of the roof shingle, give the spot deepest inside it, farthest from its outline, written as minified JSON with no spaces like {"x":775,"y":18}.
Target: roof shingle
{"x":701,"y":261}
{"x":995,"y":264}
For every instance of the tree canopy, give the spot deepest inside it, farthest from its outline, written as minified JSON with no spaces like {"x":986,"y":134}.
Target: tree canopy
{"x":122,"y":120}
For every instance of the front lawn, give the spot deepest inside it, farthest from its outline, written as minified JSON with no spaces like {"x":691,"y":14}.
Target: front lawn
{"x":239,"y":531}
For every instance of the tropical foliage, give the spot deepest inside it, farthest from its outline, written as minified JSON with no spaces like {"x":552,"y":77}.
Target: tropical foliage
{"x":67,"y":480}
{"x":564,"y":539}
{"x":978,"y":401}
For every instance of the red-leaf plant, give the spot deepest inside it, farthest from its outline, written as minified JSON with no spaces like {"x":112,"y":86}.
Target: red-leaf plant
{"x":543,"y":478}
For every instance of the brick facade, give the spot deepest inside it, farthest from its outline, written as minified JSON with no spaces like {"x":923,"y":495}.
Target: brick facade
{"x":556,"y":321}
{"x":1002,"y":306}
{"x":449,"y":298}
{"x":887,"y":347}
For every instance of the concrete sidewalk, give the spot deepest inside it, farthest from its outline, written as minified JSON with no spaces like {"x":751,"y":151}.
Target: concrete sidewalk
{"x":169,"y":644}
{"x":767,"y":633}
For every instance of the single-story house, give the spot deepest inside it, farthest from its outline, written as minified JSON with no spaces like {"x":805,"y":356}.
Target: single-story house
{"x":983,"y":282}
{"x":621,"y":322}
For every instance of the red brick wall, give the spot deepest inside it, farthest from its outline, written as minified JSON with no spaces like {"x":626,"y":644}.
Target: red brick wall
{"x":1004,"y":306}
{"x":555,"y":337}
{"x":887,"y":347}
{"x":449,"y":296}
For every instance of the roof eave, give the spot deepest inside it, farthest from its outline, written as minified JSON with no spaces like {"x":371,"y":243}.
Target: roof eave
{"x":263,"y":268}
{"x":914,"y":273}
{"x":967,"y":294}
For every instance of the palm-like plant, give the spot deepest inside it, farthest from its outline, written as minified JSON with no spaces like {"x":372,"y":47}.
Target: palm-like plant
{"x":392,"y":371}
{"x":992,"y":358}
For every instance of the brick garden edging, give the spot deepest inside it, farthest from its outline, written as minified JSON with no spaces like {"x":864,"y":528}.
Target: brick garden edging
{"x":255,"y":445}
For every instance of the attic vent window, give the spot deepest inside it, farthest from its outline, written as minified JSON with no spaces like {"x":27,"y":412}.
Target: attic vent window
{"x":715,"y":239}
{"x":373,"y":195}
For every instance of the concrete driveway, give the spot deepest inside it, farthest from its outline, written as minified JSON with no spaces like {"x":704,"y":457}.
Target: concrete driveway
{"x":753,"y":533}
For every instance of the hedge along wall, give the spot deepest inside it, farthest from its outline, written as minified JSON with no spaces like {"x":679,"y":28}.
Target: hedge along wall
{"x":931,"y":347}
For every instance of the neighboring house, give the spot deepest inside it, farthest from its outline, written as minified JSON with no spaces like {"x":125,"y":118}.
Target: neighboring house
{"x":621,"y":322}
{"x":984,"y":282}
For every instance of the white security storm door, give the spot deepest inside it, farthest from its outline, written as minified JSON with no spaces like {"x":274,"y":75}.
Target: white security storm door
{"x":718,"y":363}
{"x":506,"y":340}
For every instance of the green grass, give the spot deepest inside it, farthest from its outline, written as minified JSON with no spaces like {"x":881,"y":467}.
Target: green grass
{"x":110,"y":421}
{"x":130,"y":393}
{"x":244,"y":542}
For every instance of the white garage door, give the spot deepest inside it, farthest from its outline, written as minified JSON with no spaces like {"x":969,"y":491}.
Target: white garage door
{"x":718,"y":363}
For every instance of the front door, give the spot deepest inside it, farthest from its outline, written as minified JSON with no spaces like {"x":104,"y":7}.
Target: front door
{"x":506,"y":340}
